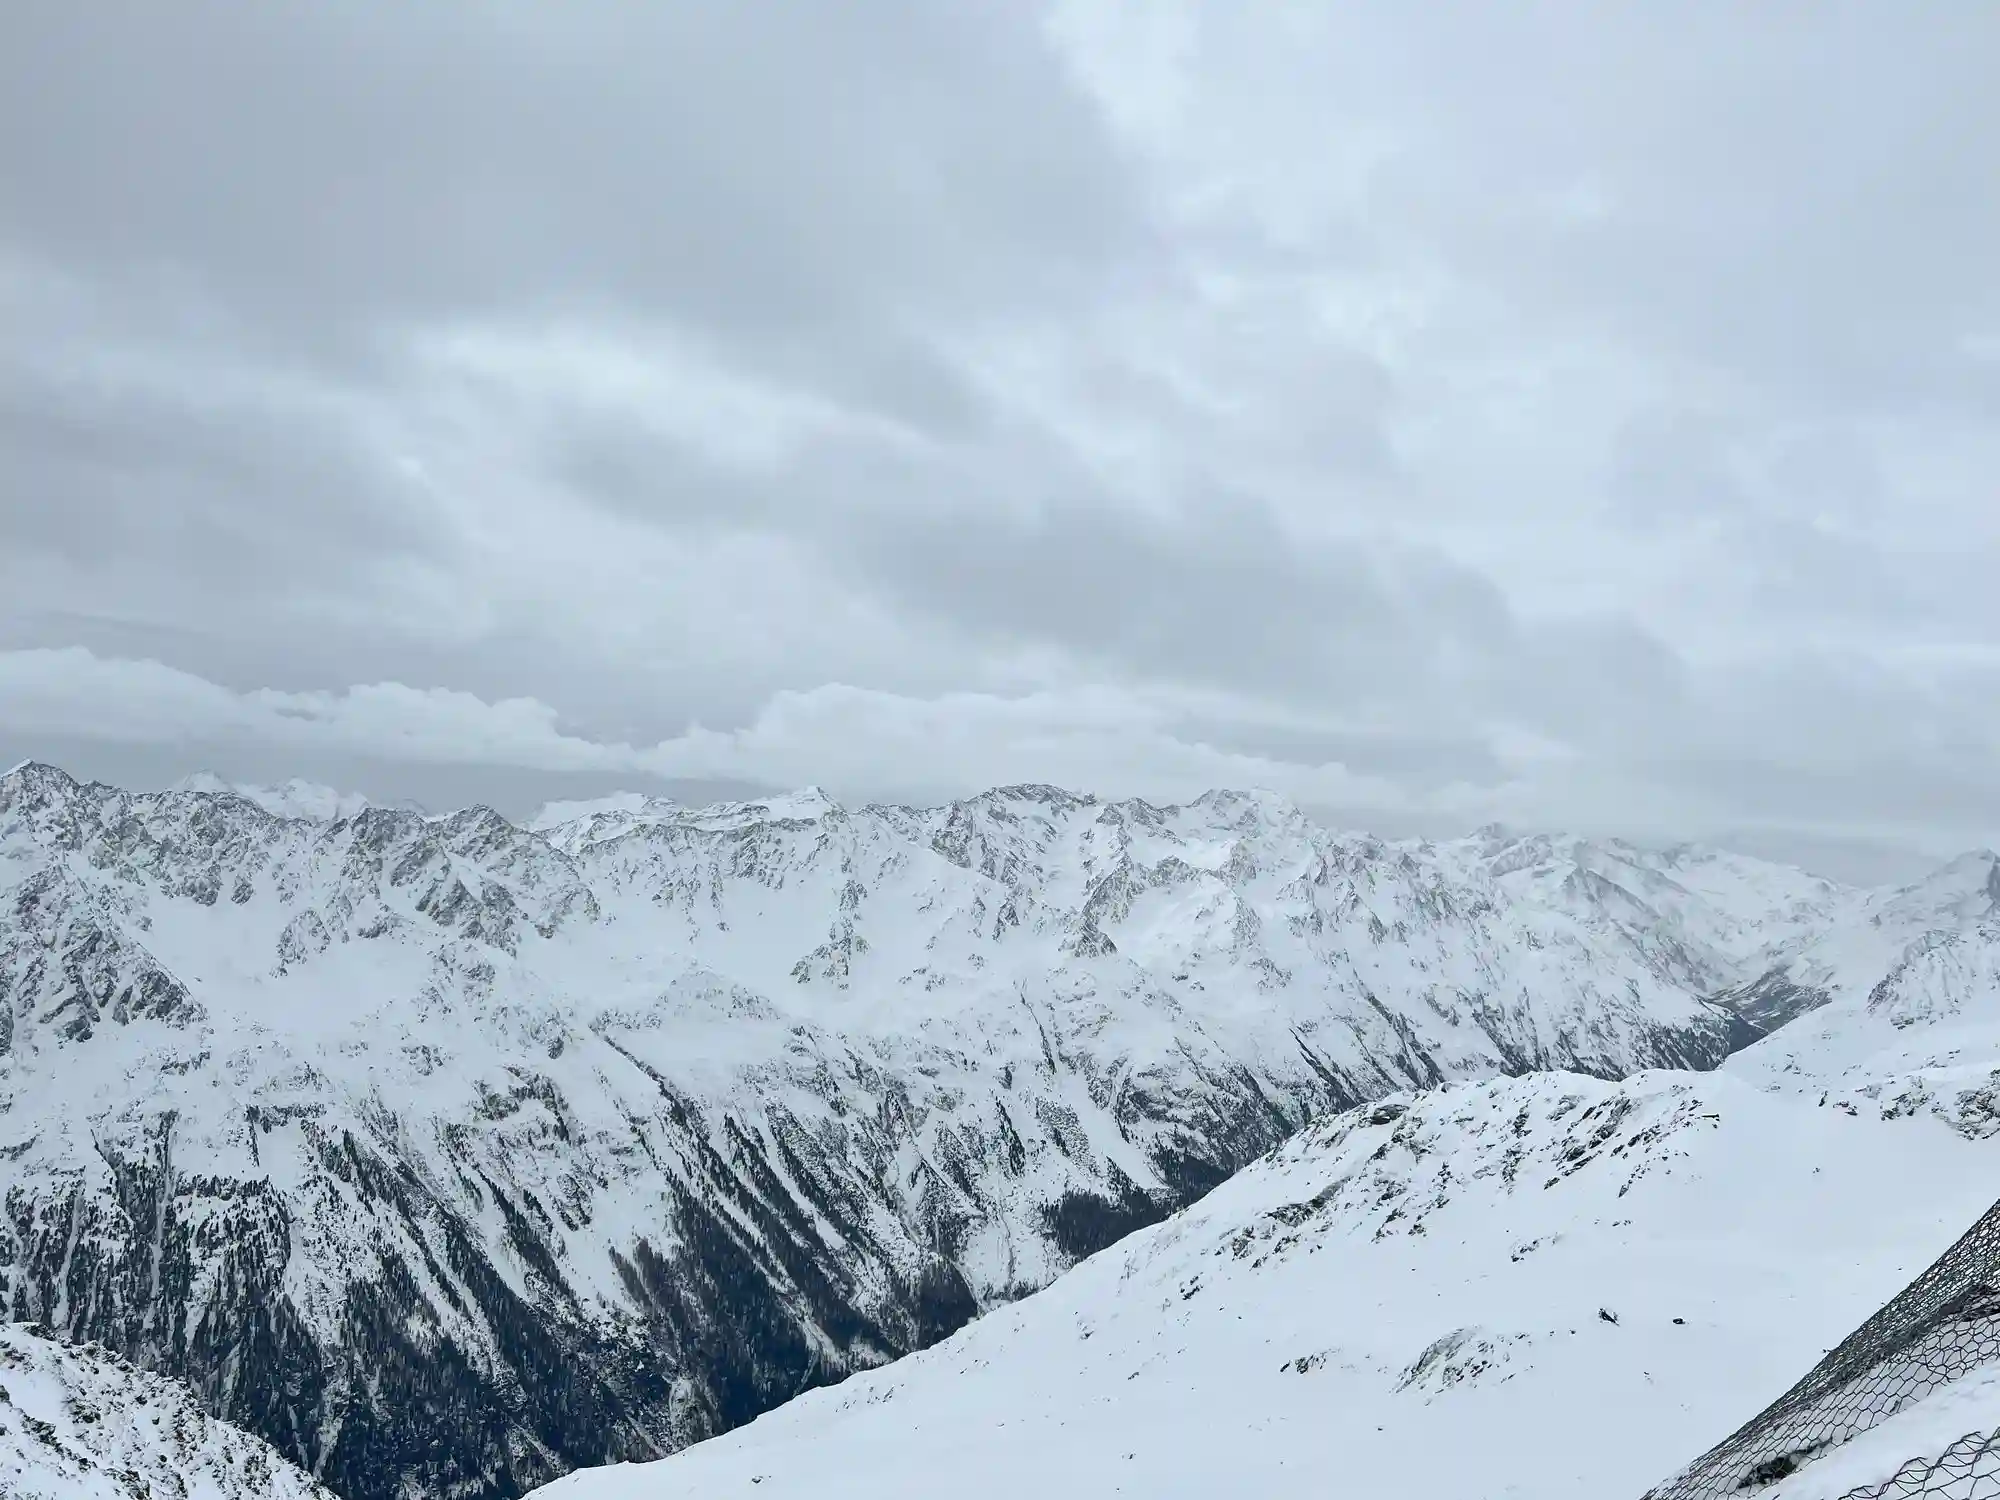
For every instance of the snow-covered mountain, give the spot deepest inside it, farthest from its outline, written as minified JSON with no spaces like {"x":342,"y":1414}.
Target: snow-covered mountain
{"x":1709,"y":918}
{"x":1905,"y":1017}
{"x":291,"y":799}
{"x":80,"y":1423}
{"x":452,"y":1155}
{"x":1874,"y":935}
{"x":1541,"y":1287}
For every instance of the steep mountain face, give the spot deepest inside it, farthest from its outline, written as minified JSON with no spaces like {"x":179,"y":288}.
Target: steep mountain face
{"x":1544,"y":1288}
{"x":80,"y":1423}
{"x":1910,"y":1019}
{"x":1890,"y":936}
{"x":451,"y":1155}
{"x":1703,"y":918}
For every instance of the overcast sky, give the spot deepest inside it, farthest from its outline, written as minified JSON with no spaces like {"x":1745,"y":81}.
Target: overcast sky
{"x":1564,"y":415}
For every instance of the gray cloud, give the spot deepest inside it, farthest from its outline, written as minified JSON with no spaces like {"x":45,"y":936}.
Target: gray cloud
{"x":790,"y":182}
{"x":1022,"y":546}
{"x":1669,"y":466}
{"x":1401,"y":755}
{"x":244,"y":495}
{"x":1443,"y":412}
{"x":1793,"y":192}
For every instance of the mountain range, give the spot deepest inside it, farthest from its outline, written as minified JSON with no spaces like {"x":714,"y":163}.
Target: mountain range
{"x":1539,"y":1288}
{"x":450,"y":1154}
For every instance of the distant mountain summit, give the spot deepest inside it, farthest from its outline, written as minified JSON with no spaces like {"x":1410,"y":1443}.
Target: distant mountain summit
{"x":294,"y":799}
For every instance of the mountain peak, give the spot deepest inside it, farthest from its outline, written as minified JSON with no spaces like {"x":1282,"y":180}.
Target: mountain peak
{"x":1035,"y":791}
{"x":35,"y":784}
{"x":1247,"y":806}
{"x":40,"y":773}
{"x":807,"y":804}
{"x":1963,"y":888}
{"x":296,"y":798}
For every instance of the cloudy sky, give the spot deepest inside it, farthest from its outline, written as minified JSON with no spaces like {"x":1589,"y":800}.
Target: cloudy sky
{"x":1576,"y":415}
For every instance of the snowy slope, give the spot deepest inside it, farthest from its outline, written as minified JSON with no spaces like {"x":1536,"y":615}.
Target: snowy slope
{"x":1544,"y":1287}
{"x":82,"y":1424}
{"x":1910,"y":1019}
{"x":1953,"y":1435}
{"x":1918,"y":1368}
{"x":1708,"y":918}
{"x":1871,"y":935}
{"x":450,"y":1153}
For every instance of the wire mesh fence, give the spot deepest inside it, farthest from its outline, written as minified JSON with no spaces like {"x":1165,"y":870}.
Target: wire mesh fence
{"x":1941,"y":1327}
{"x":1968,"y":1470}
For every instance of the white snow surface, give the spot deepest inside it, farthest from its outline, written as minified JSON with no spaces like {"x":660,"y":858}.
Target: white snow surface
{"x":78,"y":1423}
{"x":1412,"y":1299}
{"x":1713,"y":915}
{"x":1911,"y":1021}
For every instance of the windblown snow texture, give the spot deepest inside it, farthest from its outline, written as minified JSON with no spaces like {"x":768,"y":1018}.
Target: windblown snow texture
{"x":452,"y":1155}
{"x":78,"y":1423}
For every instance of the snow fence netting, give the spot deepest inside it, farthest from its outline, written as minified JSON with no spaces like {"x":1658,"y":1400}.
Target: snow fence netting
{"x":1968,"y":1470}
{"x":1940,"y":1328}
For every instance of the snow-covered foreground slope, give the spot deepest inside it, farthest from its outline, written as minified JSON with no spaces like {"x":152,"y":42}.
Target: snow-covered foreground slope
{"x":1541,"y":1287}
{"x":1947,"y":1448}
{"x":82,"y":1424}
{"x":1908,"y":1403}
{"x":452,"y":1155}
{"x":1884,"y":1411}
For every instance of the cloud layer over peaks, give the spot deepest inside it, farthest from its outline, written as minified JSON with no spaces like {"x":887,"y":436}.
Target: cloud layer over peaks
{"x":1435,"y":415}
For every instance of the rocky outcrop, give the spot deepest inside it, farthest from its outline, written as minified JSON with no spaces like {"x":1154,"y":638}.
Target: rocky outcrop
{"x":82,"y":1423}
